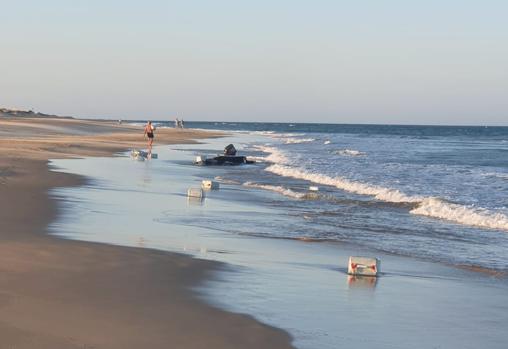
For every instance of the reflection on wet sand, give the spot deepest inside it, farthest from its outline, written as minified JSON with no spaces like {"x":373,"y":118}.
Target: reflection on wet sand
{"x":356,"y":281}
{"x":195,"y":201}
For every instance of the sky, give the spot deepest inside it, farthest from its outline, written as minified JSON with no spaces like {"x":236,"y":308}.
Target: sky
{"x":390,"y":61}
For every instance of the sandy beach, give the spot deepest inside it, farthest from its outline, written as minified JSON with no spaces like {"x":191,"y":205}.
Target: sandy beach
{"x":57,"y":293}
{"x":324,"y":175}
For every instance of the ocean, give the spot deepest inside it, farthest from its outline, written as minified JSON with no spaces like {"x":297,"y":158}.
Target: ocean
{"x":429,"y":202}
{"x":433,"y":192}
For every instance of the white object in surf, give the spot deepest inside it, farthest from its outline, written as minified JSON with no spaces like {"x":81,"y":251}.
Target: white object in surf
{"x":195,"y":193}
{"x":210,"y":185}
{"x":200,"y":160}
{"x":363,"y":266}
{"x":141,"y":155}
{"x":137,"y":155}
{"x":313,"y":188}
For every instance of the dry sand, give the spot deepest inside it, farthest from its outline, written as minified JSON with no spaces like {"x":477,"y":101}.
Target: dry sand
{"x":58,"y":293}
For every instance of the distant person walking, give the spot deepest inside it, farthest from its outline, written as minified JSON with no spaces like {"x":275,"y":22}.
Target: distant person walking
{"x":178,"y":123}
{"x":149,"y":132}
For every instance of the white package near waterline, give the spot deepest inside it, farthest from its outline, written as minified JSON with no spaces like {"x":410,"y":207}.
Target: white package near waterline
{"x":200,"y":159}
{"x":195,"y":193}
{"x":141,"y":155}
{"x":364,"y":266}
{"x":209,"y":185}
{"x":313,"y":188}
{"x":137,"y":155}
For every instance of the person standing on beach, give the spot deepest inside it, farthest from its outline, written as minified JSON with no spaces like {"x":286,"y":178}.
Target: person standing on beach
{"x":149,"y":130}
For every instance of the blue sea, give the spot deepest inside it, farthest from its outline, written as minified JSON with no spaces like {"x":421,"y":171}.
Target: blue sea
{"x":430,"y":202}
{"x":435,"y":192}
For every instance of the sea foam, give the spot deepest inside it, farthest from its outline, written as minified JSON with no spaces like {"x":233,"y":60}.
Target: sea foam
{"x":380,"y":193}
{"x":298,"y":140}
{"x":437,"y":208}
{"x":349,"y":152}
{"x":497,"y":175}
{"x":278,"y":189}
{"x":425,"y":206}
{"x":275,"y":156}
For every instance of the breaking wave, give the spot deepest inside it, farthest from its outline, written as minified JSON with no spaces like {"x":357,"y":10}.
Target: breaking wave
{"x":278,"y":189}
{"x":298,"y":140}
{"x":349,"y":152}
{"x":425,"y":206}
{"x":256,"y":158}
{"x":437,"y":208}
{"x":275,"y":156}
{"x":276,"y":135}
{"x":225,"y":180}
{"x":380,"y":193}
{"x":497,"y":175}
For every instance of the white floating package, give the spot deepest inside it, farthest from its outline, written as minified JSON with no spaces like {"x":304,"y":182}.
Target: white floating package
{"x":364,"y":266}
{"x":207,"y":184}
{"x":195,"y":193}
{"x":142,"y":155}
{"x":137,"y":155}
{"x":200,"y":159}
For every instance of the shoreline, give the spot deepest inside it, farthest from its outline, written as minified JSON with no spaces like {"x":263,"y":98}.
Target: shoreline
{"x":60,"y":293}
{"x":300,"y":287}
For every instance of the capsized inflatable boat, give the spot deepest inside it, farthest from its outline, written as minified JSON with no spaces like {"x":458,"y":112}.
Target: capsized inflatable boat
{"x":229,"y":158}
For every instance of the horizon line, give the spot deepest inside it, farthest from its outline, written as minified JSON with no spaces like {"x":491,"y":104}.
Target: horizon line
{"x":303,"y":123}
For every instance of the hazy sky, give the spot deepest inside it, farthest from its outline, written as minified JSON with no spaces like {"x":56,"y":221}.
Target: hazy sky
{"x":379,"y":61}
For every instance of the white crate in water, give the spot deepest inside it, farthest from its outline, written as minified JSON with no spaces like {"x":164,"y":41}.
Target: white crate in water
{"x":313,"y":188}
{"x":141,"y":155}
{"x":207,"y":184}
{"x":136,"y":155}
{"x":364,"y":266}
{"x":200,"y":159}
{"x":195,"y":193}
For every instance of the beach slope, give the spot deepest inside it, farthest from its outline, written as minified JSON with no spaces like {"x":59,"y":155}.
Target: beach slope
{"x":57,"y":293}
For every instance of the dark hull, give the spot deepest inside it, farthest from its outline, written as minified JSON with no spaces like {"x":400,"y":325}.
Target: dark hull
{"x":227,"y":160}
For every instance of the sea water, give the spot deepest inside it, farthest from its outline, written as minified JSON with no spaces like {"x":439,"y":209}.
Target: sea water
{"x":435,"y":192}
{"x":288,"y":247}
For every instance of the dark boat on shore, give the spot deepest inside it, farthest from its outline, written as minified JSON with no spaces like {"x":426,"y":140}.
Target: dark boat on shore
{"x":229,"y":158}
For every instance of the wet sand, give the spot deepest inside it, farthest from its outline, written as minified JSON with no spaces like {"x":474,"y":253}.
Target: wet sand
{"x":57,"y":293}
{"x":301,"y":287}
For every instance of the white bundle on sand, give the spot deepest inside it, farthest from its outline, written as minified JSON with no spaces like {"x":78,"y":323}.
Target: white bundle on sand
{"x":200,"y":160}
{"x":364,"y":266}
{"x":137,"y":155}
{"x":141,"y":155}
{"x":209,"y":185}
{"x":195,"y":193}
